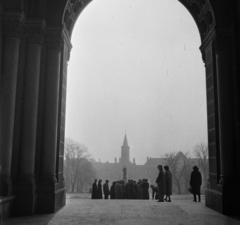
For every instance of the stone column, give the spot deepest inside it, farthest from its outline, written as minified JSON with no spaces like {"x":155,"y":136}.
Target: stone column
{"x":8,"y":86}
{"x":30,"y":108}
{"x":225,"y":110}
{"x":51,"y":106}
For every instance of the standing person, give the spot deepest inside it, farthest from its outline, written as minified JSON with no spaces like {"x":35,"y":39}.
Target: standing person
{"x":195,"y":183}
{"x":168,"y":177}
{"x":145,"y":188}
{"x":94,"y":190}
{"x":161,"y":183}
{"x":140,"y":189}
{"x":117,"y":190}
{"x":154,"y":192}
{"x":127,"y":189}
{"x":106,"y":189}
{"x":99,"y":190}
{"x":113,"y":190}
{"x":124,"y":194}
{"x":120,"y":189}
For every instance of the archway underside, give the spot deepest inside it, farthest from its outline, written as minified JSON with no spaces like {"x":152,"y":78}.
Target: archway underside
{"x":35,"y":35}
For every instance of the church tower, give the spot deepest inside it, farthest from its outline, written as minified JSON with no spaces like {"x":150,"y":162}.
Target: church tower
{"x":125,"y":154}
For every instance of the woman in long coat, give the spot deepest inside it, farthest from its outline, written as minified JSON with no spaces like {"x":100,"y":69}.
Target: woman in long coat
{"x":145,"y":188}
{"x":161,"y":183}
{"x":113,"y":190}
{"x":94,"y":190}
{"x":195,"y":183}
{"x":168,"y":177}
{"x":100,"y":189}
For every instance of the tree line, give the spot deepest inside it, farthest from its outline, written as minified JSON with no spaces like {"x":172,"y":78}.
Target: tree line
{"x":78,"y":169}
{"x":80,"y":173}
{"x":181,"y":165}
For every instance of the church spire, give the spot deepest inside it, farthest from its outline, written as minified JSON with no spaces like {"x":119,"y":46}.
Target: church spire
{"x":125,"y":154}
{"x":125,"y":142}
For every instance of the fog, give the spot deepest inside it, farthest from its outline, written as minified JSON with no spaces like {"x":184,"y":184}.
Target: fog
{"x":136,"y":67}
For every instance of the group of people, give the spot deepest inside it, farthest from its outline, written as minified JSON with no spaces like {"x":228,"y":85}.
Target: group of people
{"x":140,"y":189}
{"x":164,"y":181}
{"x":121,"y":190}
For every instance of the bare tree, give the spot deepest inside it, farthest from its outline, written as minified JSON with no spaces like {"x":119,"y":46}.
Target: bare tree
{"x":76,"y":158}
{"x":86,"y":176}
{"x":201,"y":152}
{"x":179,"y":164}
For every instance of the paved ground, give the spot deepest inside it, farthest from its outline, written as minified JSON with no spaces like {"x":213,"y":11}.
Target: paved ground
{"x":181,"y":211}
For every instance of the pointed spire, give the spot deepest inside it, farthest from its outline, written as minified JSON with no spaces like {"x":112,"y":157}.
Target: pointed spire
{"x":125,"y":142}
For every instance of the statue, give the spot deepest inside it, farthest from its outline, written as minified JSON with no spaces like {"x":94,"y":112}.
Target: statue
{"x":124,"y":173}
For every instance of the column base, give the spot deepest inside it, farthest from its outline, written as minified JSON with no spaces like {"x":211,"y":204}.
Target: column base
{"x":25,"y":203}
{"x":49,"y":198}
{"x":6,"y":205}
{"x":225,"y":200}
{"x":5,"y":185}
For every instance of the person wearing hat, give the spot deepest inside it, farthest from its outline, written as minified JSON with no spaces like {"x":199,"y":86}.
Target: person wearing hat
{"x":168,"y":177}
{"x":195,"y":183}
{"x":94,"y":190}
{"x":161,"y":183}
{"x":99,"y":190}
{"x":106,"y":189}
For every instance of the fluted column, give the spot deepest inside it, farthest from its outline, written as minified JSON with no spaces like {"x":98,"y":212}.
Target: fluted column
{"x":8,"y":85}
{"x":225,"y":110}
{"x":30,"y":108}
{"x":51,"y":103}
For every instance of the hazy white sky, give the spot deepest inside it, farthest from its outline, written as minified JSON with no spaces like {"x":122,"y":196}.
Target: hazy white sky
{"x":136,"y":66}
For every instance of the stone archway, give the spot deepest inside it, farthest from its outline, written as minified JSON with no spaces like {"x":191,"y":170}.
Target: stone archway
{"x":34,"y":52}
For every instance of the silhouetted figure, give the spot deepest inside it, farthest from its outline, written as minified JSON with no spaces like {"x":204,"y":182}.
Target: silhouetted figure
{"x":161,"y":183}
{"x":168,"y":177}
{"x":140,"y":189}
{"x":135,"y":190}
{"x":124,"y":173}
{"x":128,"y":189}
{"x":117,"y":190}
{"x":123,"y":190}
{"x":113,"y":190}
{"x":195,"y":183}
{"x":132,"y":190}
{"x":106,"y":189}
{"x":94,"y":190}
{"x":145,"y":188}
{"x":154,"y":192}
{"x":99,"y":190}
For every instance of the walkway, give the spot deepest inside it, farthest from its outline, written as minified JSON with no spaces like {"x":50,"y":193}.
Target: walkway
{"x":181,"y":211}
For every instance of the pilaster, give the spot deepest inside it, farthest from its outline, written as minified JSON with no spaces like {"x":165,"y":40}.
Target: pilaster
{"x":12,"y":31}
{"x":224,"y":75}
{"x":218,"y":56}
{"x":48,"y":191}
{"x":26,"y":188}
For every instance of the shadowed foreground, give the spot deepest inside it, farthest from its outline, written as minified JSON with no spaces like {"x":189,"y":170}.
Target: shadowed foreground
{"x":181,"y":211}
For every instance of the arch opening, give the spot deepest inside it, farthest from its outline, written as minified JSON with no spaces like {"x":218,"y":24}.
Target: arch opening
{"x":36,"y":36}
{"x":112,"y":59}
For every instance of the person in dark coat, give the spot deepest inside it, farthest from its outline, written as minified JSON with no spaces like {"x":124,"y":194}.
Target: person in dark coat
{"x":99,"y":190}
{"x":195,"y":183}
{"x":94,"y":190}
{"x":161,"y":183}
{"x":123,"y":190}
{"x":168,"y":177}
{"x":145,"y":188}
{"x":154,"y":192}
{"x":113,"y":190}
{"x":106,"y":189}
{"x":127,"y":189}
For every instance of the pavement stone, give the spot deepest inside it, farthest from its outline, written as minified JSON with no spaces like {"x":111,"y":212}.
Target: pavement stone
{"x":129,"y":212}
